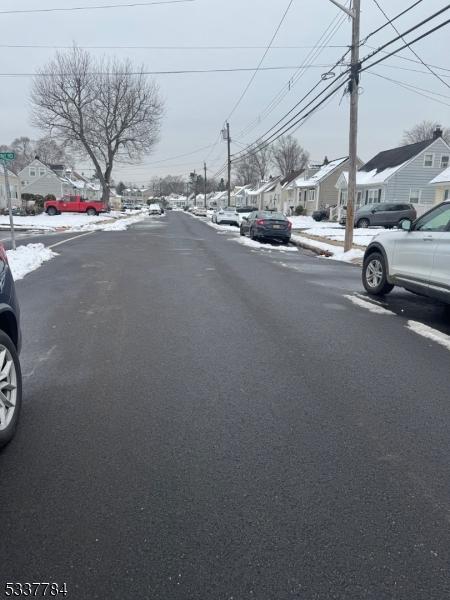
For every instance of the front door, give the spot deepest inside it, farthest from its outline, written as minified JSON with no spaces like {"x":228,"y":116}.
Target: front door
{"x":414,"y":254}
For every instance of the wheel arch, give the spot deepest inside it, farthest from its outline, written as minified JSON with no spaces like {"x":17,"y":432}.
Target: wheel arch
{"x":8,"y":324}
{"x":377,"y":247}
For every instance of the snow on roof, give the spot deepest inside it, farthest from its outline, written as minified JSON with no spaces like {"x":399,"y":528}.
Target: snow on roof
{"x":372,"y":177}
{"x":443,"y":177}
{"x":323,"y":172}
{"x":265,"y":187}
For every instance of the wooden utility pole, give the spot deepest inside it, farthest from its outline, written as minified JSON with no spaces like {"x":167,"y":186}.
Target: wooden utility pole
{"x":204,"y":184}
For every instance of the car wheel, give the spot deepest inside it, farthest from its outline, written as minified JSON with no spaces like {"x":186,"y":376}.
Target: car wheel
{"x":10,"y":389}
{"x":252,"y":234}
{"x":51,"y":211}
{"x":91,"y":212}
{"x":241,"y":231}
{"x":363,"y":223}
{"x":374,"y":275}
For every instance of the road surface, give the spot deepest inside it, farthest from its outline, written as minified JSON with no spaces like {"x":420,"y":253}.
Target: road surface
{"x":204,"y":421}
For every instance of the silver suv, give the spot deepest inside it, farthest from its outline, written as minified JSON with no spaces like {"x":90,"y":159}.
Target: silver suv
{"x":416,"y":258}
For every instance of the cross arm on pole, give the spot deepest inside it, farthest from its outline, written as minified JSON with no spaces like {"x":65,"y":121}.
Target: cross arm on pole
{"x":350,"y":12}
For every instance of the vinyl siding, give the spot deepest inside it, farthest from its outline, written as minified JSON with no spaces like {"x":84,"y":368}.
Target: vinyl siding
{"x":414,"y":176}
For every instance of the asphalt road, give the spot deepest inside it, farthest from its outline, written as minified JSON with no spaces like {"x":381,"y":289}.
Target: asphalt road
{"x":204,"y":421}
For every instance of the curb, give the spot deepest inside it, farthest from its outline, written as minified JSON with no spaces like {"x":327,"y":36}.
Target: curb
{"x":312,"y":248}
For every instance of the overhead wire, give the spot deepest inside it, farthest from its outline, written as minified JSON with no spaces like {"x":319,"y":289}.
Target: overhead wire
{"x":98,"y":7}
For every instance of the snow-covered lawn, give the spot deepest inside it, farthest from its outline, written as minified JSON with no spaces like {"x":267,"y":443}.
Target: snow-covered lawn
{"x":68,"y":221}
{"x":28,"y":258}
{"x":334,"y":252}
{"x":245,"y":241}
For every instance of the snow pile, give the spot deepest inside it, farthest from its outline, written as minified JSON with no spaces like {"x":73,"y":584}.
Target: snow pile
{"x":334,"y":252}
{"x":28,"y":258}
{"x":430,"y":333}
{"x":63,"y":221}
{"x":259,"y":246}
{"x":121,"y":225}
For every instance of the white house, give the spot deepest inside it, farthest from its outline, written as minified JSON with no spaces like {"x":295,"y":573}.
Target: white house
{"x":400,"y":174}
{"x":441,"y":185}
{"x":14,"y":188}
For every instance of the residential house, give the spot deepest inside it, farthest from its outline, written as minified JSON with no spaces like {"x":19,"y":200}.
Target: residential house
{"x":135,"y":195}
{"x":39,"y":178}
{"x":266,"y":195}
{"x":239,"y":195}
{"x":218,"y":200}
{"x":285,"y":194}
{"x":316,"y":187}
{"x":441,"y":185}
{"x":400,"y":174}
{"x":14,"y":189}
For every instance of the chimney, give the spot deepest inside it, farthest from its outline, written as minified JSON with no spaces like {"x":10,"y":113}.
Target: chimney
{"x":326,"y":161}
{"x":437,"y":132}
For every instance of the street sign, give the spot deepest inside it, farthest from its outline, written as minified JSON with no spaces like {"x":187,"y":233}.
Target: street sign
{"x":7,"y":155}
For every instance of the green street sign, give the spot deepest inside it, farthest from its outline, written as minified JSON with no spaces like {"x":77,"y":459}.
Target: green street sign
{"x":7,"y":155}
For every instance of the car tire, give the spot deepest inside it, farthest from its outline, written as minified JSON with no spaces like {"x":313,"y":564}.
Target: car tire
{"x":241,"y":232}
{"x":374,"y":275}
{"x":51,"y":211}
{"x":252,"y":234}
{"x":363,"y":223}
{"x":8,"y":353}
{"x":91,"y":212}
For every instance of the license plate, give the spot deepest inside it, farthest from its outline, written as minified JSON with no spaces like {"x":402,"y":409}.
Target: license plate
{"x":276,"y":226}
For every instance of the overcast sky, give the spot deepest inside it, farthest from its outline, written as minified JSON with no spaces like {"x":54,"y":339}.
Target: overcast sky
{"x":198,"y":104}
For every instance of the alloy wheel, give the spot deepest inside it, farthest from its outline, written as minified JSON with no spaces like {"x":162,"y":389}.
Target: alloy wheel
{"x":8,"y":387}
{"x":374,"y":273}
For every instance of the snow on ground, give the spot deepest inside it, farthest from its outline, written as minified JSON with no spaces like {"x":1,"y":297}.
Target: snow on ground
{"x":430,"y":333}
{"x":335,"y":252}
{"x":370,"y":306}
{"x":28,"y":258}
{"x":120,"y":225}
{"x":309,"y":223}
{"x":245,"y":241}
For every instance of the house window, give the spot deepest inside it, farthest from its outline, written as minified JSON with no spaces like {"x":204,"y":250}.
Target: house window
{"x":358,"y":199}
{"x":343,"y":198}
{"x":446,"y":194}
{"x":428,"y":160}
{"x":311,"y":195}
{"x":41,"y":172}
{"x":415,"y":196}
{"x":32,"y":172}
{"x":373,"y":196}
{"x":444,"y":161}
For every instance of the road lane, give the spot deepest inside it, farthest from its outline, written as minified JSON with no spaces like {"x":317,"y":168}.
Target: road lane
{"x":201,"y":422}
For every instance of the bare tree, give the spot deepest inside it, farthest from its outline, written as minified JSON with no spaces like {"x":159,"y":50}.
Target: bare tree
{"x":288,"y":155}
{"x":424,"y":131}
{"x":253,"y":167}
{"x":101,"y":107}
{"x":50,"y":152}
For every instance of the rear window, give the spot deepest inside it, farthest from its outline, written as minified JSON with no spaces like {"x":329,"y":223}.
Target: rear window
{"x":272,"y":215}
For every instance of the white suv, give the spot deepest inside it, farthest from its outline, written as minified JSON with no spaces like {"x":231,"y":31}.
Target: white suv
{"x":416,"y":258}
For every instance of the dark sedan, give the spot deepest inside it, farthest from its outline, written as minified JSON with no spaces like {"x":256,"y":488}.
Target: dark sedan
{"x":10,"y":373}
{"x":265,"y":225}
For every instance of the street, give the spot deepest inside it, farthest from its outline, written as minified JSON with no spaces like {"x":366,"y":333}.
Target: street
{"x":204,"y":421}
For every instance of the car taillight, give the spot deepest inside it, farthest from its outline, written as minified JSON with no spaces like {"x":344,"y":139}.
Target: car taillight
{"x":3,"y":255}
{"x":289,"y":225}
{"x":260,"y":222}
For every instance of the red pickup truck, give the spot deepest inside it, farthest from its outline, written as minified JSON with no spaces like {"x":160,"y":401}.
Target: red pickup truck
{"x":74,"y":204}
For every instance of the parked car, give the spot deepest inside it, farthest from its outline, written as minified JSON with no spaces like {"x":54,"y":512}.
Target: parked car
{"x":321,"y":215}
{"x":10,"y":342}
{"x":416,"y":258}
{"x":74,"y":204}
{"x":154,"y":209}
{"x":199,"y":211}
{"x":385,"y":214}
{"x":227,"y":216}
{"x":245,"y":211}
{"x":263,"y":224}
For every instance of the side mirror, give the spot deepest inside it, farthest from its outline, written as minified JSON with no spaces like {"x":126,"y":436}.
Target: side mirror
{"x":406,"y":225}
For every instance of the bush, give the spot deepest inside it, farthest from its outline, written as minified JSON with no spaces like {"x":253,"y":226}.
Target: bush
{"x":299,"y":210}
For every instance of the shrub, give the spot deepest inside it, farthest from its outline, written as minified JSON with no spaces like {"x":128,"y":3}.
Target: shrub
{"x":299,"y":210}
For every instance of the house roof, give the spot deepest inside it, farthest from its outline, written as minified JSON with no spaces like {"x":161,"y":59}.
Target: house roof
{"x":293,"y":175}
{"x":395,"y":157}
{"x":321,"y":174}
{"x":443,"y":177}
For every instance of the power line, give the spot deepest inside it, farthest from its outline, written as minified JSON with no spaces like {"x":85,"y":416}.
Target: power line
{"x":132,"y":47}
{"x":412,"y":88}
{"x":412,"y":60}
{"x":409,"y":47}
{"x":174,"y":72}
{"x":241,"y":97}
{"x":372,"y":33}
{"x":326,"y":36}
{"x":100,"y":7}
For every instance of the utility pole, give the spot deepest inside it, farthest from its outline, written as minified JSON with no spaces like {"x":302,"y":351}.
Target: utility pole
{"x":226,"y":136}
{"x":8,"y":199}
{"x":353,"y":88}
{"x":204,"y":184}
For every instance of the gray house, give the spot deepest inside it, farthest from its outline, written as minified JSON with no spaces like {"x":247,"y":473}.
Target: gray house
{"x":317,"y":189}
{"x":400,"y":175}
